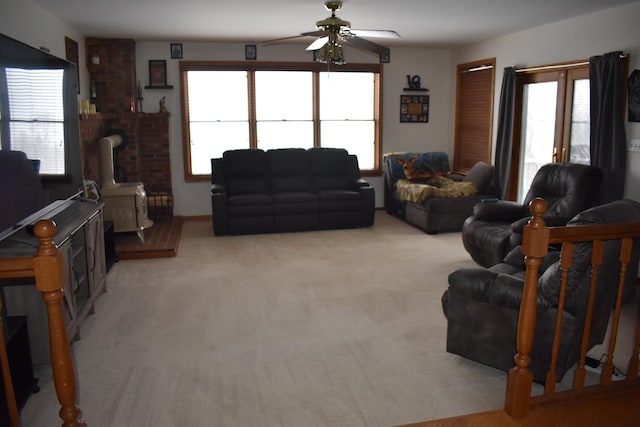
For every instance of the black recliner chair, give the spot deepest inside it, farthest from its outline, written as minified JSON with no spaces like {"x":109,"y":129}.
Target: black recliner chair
{"x":482,"y":305}
{"x":496,"y":227}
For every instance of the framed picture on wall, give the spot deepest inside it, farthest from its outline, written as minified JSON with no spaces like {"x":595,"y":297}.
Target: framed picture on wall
{"x":414,"y":108}
{"x":176,"y":50}
{"x":157,"y":72}
{"x":634,"y":96}
{"x":385,"y":57}
{"x":250,"y":52}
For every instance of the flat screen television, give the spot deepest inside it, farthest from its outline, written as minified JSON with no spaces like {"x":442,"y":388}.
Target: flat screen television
{"x":39,"y":116}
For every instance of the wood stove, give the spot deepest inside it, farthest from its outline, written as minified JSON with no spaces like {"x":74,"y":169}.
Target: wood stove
{"x":125,"y":203}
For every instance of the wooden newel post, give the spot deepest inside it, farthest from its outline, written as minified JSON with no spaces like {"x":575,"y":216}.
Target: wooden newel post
{"x":49,"y":267}
{"x":535,"y":245}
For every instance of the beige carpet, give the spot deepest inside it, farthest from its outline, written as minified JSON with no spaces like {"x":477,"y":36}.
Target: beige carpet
{"x":328,"y":328}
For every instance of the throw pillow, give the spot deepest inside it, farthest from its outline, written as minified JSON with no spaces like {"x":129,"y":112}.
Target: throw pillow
{"x":480,"y":174}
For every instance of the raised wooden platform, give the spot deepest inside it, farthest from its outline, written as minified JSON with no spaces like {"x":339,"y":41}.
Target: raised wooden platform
{"x":160,"y":241}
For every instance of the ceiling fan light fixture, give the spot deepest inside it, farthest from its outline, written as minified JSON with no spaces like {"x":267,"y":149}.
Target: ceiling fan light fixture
{"x":333,"y":30}
{"x":331,"y":53}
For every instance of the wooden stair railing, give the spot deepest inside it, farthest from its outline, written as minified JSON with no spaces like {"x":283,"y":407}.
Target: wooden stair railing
{"x":47,"y":267}
{"x":536,"y":240}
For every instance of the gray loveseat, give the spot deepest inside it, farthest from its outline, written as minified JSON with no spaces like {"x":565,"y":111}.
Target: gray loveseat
{"x":293,"y":189}
{"x":448,"y":204}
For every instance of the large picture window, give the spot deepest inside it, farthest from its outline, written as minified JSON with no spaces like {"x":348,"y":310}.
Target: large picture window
{"x":237,"y":105}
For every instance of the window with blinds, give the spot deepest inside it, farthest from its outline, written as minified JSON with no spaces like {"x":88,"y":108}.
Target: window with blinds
{"x":474,"y":114}
{"x":268,"y":106}
{"x":32,"y":116}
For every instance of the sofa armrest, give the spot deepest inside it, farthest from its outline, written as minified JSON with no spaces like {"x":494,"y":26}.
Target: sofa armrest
{"x":219,"y":214}
{"x":218,"y":189}
{"x":368,"y":205}
{"x":363,"y":183}
{"x":501,"y":210}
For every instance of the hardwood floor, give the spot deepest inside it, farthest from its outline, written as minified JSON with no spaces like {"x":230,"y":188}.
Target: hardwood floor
{"x":606,"y":406}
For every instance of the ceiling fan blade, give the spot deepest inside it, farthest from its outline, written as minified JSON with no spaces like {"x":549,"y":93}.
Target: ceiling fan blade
{"x":273,"y":41}
{"x":364,"y":44}
{"x":318,"y":43}
{"x":387,"y":34}
{"x":317,"y":33}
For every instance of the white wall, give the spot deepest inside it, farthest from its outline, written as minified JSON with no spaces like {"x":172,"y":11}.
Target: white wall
{"x":31,"y":24}
{"x":573,"y":39}
{"x":432,"y":65}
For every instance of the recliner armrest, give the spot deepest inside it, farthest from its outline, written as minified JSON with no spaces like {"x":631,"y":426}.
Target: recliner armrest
{"x":501,"y":210}
{"x":487,"y":286}
{"x":549,"y":220}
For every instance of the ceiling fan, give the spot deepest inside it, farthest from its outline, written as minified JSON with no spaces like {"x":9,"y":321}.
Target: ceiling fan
{"x":332,"y":32}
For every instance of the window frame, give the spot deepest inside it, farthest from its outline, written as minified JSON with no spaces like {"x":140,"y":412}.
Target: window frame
{"x":66,"y":182}
{"x":251,"y":68}
{"x":7,"y":119}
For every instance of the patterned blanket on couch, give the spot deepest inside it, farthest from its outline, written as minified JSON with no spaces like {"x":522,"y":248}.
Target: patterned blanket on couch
{"x":416,"y":166}
{"x":438,"y":186}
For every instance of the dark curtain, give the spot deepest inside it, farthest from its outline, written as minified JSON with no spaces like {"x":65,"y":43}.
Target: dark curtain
{"x":505,"y":132}
{"x":608,"y":139}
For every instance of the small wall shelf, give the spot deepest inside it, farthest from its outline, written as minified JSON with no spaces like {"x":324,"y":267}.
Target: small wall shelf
{"x":159,"y":87}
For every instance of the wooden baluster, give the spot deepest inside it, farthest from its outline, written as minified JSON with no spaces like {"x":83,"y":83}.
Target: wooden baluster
{"x":606,"y":377}
{"x":597,"y":252}
{"x":535,"y":245}
{"x":632,"y":370}
{"x":48,"y":267}
{"x":566,"y":256}
{"x":9,"y":392}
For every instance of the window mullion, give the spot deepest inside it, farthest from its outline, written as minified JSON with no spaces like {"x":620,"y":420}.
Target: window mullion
{"x":251,"y":93}
{"x":5,"y":117}
{"x":316,"y":109}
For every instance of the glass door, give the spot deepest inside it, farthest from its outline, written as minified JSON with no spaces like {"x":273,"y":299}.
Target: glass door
{"x":554,"y":122}
{"x":538,"y":131}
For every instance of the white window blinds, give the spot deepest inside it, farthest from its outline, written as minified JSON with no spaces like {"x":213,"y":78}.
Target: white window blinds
{"x":36,"y":116}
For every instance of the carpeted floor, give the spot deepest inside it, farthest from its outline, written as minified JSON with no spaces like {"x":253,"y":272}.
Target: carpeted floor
{"x":326,"y":328}
{"x":160,"y":241}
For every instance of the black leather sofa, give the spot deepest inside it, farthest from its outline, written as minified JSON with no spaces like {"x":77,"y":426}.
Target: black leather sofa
{"x":293,"y":189}
{"x":482,"y":304}
{"x":496,"y":227}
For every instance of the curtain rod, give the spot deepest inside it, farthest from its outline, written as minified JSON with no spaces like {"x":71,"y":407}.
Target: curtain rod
{"x":559,"y":66}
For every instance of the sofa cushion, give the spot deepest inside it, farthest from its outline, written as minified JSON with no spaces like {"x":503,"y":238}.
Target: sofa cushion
{"x":250,"y":205}
{"x":246,"y":171}
{"x":438,"y":186}
{"x":289,"y":169}
{"x":295,"y":203}
{"x":330,"y":169}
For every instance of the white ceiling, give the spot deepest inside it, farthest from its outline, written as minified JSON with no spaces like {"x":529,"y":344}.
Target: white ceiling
{"x":419,"y":22}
